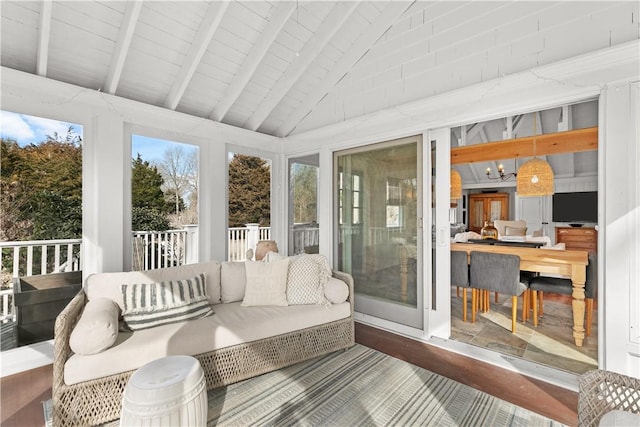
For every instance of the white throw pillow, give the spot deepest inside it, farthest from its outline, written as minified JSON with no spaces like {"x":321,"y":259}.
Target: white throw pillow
{"x":97,"y":328}
{"x":147,"y":305}
{"x":266,"y":283}
{"x":307,"y":276}
{"x":336,"y":291}
{"x":233,"y":279}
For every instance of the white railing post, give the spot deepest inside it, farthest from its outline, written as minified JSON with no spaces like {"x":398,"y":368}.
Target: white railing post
{"x":191,"y":244}
{"x":253,"y":237}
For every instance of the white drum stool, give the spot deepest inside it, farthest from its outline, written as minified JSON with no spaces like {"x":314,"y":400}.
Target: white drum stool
{"x":170,"y":391}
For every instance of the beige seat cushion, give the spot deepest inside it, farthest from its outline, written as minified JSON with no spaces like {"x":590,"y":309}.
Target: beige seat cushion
{"x":231,"y":325}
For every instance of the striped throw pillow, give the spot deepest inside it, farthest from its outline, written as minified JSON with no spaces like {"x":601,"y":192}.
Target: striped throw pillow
{"x":147,"y":305}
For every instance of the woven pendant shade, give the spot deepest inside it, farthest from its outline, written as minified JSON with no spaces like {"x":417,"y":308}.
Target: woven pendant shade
{"x":456,"y":185}
{"x":535,"y":178}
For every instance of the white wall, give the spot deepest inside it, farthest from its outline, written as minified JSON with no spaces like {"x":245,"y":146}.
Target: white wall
{"x":607,"y":74}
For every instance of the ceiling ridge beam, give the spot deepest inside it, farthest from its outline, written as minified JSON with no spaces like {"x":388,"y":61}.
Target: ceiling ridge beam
{"x":201,"y":41}
{"x":44,"y":35}
{"x":328,"y":28}
{"x":125,"y":35}
{"x":253,"y":59}
{"x":380,"y":25}
{"x":572,"y":141}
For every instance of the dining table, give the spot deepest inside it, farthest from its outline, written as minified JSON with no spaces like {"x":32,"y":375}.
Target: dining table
{"x":570,"y":263}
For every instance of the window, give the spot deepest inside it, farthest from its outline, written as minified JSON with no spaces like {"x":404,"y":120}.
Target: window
{"x":164,"y":203}
{"x":304,"y":230}
{"x":350,"y":187}
{"x":41,"y":224}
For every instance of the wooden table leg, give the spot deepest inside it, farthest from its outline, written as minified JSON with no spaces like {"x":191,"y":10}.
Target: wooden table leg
{"x":404,"y":271}
{"x":578,"y":304}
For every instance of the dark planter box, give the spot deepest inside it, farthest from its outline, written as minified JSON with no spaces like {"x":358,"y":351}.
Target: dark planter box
{"x":39,"y":300}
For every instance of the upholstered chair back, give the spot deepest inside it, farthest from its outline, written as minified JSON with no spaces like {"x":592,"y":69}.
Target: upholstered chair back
{"x":496,"y":272}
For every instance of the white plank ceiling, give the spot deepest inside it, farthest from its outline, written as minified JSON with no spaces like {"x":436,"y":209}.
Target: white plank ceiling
{"x":285,"y":67}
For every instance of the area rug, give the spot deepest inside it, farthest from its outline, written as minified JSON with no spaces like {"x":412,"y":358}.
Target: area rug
{"x":360,"y":387}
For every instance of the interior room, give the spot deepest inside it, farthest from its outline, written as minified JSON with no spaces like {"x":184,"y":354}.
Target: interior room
{"x":391,"y":138}
{"x":565,"y":220}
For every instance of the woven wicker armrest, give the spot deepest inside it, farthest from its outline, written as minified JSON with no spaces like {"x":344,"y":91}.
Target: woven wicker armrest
{"x":65,"y":322}
{"x":603,"y":391}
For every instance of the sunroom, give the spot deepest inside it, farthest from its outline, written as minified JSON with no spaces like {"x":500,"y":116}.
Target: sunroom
{"x":374,"y":95}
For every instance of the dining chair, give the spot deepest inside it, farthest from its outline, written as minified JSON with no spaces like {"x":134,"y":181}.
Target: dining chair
{"x":499,"y":273}
{"x":460,"y":277}
{"x":541,"y":284}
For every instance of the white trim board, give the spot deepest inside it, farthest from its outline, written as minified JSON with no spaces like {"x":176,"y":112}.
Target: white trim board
{"x":25,"y":358}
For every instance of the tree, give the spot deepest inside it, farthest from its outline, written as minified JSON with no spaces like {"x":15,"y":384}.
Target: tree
{"x":147,"y":199}
{"x":249,"y":191}
{"x":42,"y":189}
{"x":179,"y":169}
{"x":146,"y":185}
{"x":304,"y":180}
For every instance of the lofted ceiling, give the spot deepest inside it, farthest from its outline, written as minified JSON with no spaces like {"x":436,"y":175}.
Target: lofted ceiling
{"x":284,"y":67}
{"x":566,"y":165}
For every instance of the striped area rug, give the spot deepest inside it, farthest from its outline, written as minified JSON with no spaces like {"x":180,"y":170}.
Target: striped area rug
{"x":361,"y":387}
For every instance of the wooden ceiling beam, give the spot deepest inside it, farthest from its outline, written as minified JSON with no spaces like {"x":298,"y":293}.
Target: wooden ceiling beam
{"x":300,"y":64}
{"x":361,"y":46}
{"x":123,"y":43}
{"x":254,"y":58}
{"x":202,"y":39}
{"x":572,"y":141}
{"x":44,"y":34}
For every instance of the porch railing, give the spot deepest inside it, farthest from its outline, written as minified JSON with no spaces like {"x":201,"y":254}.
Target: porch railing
{"x":243,"y":238}
{"x":31,"y":257}
{"x":150,"y":250}
{"x":159,"y":249}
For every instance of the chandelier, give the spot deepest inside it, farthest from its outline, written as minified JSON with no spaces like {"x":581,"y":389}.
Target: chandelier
{"x":502,"y":176}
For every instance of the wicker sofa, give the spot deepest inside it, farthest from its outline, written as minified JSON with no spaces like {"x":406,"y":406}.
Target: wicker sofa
{"x":233,"y":344}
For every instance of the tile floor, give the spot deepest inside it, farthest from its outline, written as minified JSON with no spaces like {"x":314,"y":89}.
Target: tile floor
{"x":550,"y":343}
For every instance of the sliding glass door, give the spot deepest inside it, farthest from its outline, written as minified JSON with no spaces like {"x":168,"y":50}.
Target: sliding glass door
{"x":377,"y":211}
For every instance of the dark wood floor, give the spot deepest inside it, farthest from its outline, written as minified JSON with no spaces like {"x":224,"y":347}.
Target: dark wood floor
{"x":22,"y":394}
{"x":538,"y":396}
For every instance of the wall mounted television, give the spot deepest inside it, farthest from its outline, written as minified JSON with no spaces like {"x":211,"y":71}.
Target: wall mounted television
{"x":576,"y":207}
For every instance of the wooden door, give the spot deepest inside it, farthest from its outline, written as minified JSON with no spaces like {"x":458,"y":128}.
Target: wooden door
{"x":487,"y":207}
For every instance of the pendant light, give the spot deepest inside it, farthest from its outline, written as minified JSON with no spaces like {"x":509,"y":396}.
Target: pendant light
{"x":456,"y":184}
{"x":535,"y":177}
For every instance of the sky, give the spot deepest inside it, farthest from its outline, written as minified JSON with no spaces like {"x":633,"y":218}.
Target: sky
{"x":27,"y":130}
{"x":151,"y":149}
{"x":32,"y":130}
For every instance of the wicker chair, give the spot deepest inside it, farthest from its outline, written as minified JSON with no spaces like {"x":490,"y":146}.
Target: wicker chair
{"x":604,"y":391}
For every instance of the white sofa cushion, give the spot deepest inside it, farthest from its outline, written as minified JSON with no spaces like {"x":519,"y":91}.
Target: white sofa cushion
{"x":231,"y":325}
{"x":233,"y":279}
{"x":149,"y":305}
{"x":266,"y":283}
{"x":97,"y":328}
{"x":109,"y":285}
{"x":306,"y":279}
